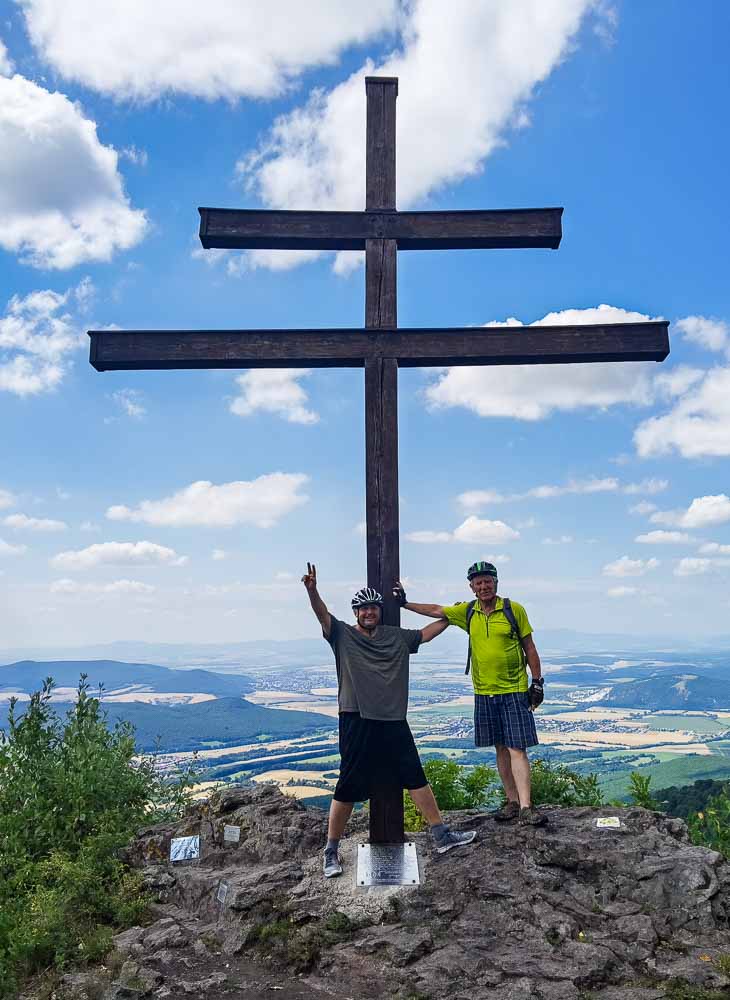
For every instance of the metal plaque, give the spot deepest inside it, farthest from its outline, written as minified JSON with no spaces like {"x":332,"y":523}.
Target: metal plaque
{"x":232,"y":833}
{"x":222,"y":893}
{"x":185,"y":848}
{"x":387,"y":864}
{"x":608,"y":823}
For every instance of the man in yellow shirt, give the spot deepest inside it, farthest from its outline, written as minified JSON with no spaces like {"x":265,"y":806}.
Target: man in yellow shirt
{"x":500,"y":644}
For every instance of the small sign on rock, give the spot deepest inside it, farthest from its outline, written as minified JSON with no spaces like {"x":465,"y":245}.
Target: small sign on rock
{"x":608,"y":823}
{"x":185,"y":848}
{"x":222,"y":893}
{"x":232,"y":834}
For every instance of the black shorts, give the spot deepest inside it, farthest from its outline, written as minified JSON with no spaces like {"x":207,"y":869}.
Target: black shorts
{"x":375,"y":753}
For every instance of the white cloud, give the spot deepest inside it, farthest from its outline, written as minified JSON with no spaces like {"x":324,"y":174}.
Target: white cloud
{"x":533,"y":392}
{"x":475,"y":530}
{"x":136,"y":156}
{"x":560,"y":540}
{"x":643,"y":507}
{"x":479,"y":499}
{"x":90,"y":527}
{"x":697,"y":426}
{"x":6,"y":549}
{"x":621,"y":591}
{"x":218,"y":555}
{"x":465,"y":75}
{"x":630,"y":567}
{"x":706,"y":511}
{"x":714,"y":548}
{"x":6,"y":499}
{"x":649,"y":487}
{"x":67,"y":586}
{"x":274,"y":390}
{"x":129,"y":402}
{"x":222,"y":48}
{"x":37,"y":334}
{"x":664,"y":538}
{"x":6,"y":63}
{"x":692,"y":566}
{"x":713,"y":334}
{"x":703,"y":512}
{"x":263,"y":502}
{"x":118,"y":554}
{"x":62,"y":199}
{"x":429,"y":537}
{"x":472,"y":531}
{"x":21,"y":522}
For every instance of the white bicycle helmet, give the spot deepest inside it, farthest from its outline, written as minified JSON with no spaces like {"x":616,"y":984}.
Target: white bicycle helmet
{"x":367,"y":596}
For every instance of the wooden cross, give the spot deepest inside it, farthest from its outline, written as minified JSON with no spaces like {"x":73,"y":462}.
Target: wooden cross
{"x":380,"y":347}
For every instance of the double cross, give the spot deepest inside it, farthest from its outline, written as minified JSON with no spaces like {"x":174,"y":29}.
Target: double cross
{"x":380,"y":347}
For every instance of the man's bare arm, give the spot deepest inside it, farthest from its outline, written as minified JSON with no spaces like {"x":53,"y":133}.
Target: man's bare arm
{"x":429,"y":610}
{"x":318,"y":606}
{"x":435,"y":628}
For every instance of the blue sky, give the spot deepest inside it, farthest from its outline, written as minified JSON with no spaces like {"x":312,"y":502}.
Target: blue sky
{"x":183,"y":506}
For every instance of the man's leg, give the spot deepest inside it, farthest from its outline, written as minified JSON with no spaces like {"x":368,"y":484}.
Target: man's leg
{"x":519,"y":769}
{"x":504,"y":766}
{"x":425,"y":802}
{"x":340,"y":812}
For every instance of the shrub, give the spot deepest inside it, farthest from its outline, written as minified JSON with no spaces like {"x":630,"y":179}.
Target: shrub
{"x":72,"y":794}
{"x":454,"y":787}
{"x":640,"y":791}
{"x":711,"y":826}
{"x":556,"y":784}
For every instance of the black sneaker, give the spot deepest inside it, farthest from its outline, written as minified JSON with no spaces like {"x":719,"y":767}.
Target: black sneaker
{"x":529,"y":816}
{"x":510,"y":810}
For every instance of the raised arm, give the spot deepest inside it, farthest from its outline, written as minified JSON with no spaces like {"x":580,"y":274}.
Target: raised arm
{"x":435,"y":628}
{"x":318,"y":606}
{"x":429,"y":610}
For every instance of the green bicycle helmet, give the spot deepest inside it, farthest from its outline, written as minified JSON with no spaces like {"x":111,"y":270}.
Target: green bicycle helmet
{"x":481,"y":569}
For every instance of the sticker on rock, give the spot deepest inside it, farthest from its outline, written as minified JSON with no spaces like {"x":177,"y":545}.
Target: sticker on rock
{"x":608,"y":823}
{"x":232,"y":834}
{"x":222,"y":892}
{"x":185,"y":848}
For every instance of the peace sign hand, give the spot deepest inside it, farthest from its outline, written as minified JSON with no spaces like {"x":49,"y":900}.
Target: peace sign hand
{"x":310,"y":578}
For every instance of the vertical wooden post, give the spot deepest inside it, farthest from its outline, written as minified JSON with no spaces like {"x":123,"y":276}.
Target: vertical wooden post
{"x":381,"y":404}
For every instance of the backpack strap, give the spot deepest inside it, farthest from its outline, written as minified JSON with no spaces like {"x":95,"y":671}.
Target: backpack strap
{"x":508,"y":614}
{"x":469,"y":616}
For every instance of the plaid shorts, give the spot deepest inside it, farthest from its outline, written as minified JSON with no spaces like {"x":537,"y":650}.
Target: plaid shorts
{"x":504,"y":719}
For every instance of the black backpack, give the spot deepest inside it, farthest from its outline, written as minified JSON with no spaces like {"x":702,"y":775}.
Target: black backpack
{"x":508,"y":614}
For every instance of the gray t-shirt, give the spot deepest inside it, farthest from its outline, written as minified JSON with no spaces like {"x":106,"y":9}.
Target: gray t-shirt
{"x":372,"y":674}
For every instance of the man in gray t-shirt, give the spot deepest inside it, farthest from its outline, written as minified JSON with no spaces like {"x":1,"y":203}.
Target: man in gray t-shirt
{"x":376,"y":743}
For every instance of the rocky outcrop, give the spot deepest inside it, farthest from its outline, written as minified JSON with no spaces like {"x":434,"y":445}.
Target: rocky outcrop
{"x":550,"y":913}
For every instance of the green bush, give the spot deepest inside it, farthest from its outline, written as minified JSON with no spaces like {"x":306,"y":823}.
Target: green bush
{"x":72,"y":794}
{"x":711,"y":826}
{"x":556,"y":784}
{"x":641,"y":791}
{"x":454,"y":787}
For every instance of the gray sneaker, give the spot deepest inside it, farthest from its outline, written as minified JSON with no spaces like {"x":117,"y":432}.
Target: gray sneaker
{"x":449,"y":839}
{"x":332,"y":864}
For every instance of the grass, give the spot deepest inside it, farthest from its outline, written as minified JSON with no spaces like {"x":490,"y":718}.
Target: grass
{"x":677,"y":769}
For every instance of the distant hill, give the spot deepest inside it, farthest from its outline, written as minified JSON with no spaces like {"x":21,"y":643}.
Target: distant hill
{"x":188,"y":727}
{"x":662,"y":691}
{"x":28,"y":675}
